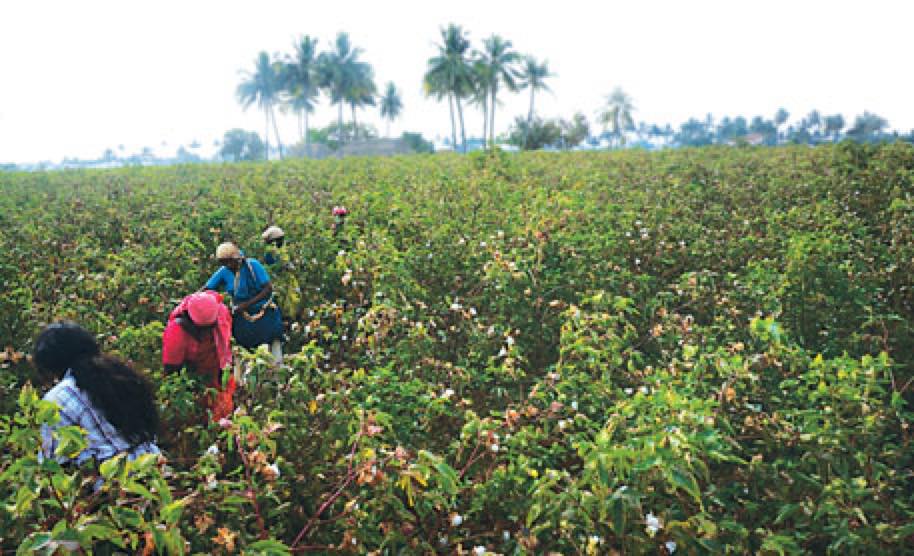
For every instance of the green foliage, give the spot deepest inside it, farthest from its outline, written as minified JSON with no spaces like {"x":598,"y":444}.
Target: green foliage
{"x":238,"y":145}
{"x":534,"y":134}
{"x":579,"y":353}
{"x":417,"y":143}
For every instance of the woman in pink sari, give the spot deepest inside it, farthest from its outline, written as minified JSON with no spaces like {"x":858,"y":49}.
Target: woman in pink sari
{"x":198,"y":337}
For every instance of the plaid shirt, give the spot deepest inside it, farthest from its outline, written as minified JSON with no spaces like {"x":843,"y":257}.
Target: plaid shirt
{"x":76,"y":410}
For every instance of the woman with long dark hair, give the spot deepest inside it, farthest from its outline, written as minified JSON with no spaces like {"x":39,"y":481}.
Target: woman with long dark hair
{"x":98,"y":392}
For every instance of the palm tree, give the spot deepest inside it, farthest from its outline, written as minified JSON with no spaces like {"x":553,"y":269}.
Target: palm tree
{"x":336,"y":70}
{"x":449,"y":74}
{"x":617,"y":115}
{"x":814,"y":119}
{"x":501,"y":60}
{"x":480,"y":82}
{"x":360,"y":91}
{"x":780,"y":118}
{"x":833,"y":126}
{"x":435,"y":85}
{"x":300,"y":82}
{"x":391,"y":104}
{"x":263,"y":86}
{"x":533,"y":76}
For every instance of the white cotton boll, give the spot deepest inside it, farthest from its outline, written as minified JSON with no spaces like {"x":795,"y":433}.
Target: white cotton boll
{"x":644,"y":390}
{"x":506,"y":536}
{"x":447,"y":393}
{"x":495,"y":448}
{"x":503,"y":352}
{"x":472,"y":311}
{"x":274,"y":469}
{"x":341,"y":253}
{"x":652,"y":524}
{"x":456,"y":520}
{"x":670,"y":546}
{"x":629,"y":391}
{"x":510,"y":340}
{"x":574,"y":405}
{"x":456,"y":306}
{"x":479,"y":550}
{"x":213,"y":450}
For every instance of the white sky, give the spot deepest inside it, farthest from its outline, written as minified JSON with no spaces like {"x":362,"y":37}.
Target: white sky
{"x":79,"y":77}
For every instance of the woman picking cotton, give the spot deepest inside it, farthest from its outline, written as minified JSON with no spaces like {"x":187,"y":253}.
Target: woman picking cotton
{"x":198,"y":338}
{"x":99,"y":393}
{"x":256,"y":319}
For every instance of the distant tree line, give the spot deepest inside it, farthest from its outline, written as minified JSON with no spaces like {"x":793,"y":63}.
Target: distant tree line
{"x":466,"y":76}
{"x":619,"y":129}
{"x":294,"y":82}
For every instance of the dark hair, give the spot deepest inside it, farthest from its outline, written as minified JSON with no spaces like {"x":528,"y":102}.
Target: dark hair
{"x":123,"y":395}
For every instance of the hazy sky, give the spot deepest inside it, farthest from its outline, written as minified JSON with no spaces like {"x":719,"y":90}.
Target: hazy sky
{"x":80,"y":77}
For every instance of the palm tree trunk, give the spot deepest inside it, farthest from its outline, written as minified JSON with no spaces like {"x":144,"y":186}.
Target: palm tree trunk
{"x":450,"y":104}
{"x":276,"y":130}
{"x":492,"y":118}
{"x":529,"y":118}
{"x":388,"y":129}
{"x":340,"y":127}
{"x":355,"y":124}
{"x":463,"y":134}
{"x":485,"y":120}
{"x":530,"y":115}
{"x":266,"y":133}
{"x":307,"y":133}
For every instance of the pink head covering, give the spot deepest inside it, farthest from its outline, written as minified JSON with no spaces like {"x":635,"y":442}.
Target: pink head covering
{"x":206,"y":308}
{"x":203,"y":308}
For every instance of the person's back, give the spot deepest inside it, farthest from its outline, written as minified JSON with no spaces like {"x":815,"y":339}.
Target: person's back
{"x":103,"y":395}
{"x":198,"y":338}
{"x":76,"y":409}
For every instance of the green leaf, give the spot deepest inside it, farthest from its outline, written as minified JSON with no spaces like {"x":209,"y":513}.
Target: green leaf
{"x":447,"y":478}
{"x":534,"y":513}
{"x":24,"y":498}
{"x":111,"y":466}
{"x":71,"y":442}
{"x":685,"y":481}
{"x":93,"y":532}
{"x":786,"y":512}
{"x":172,"y":512}
{"x":33,"y":543}
{"x":268,"y":547}
{"x":134,"y":487}
{"x":126,"y":517}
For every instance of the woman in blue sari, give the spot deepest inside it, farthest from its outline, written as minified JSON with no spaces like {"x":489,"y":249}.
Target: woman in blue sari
{"x":255,"y":317}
